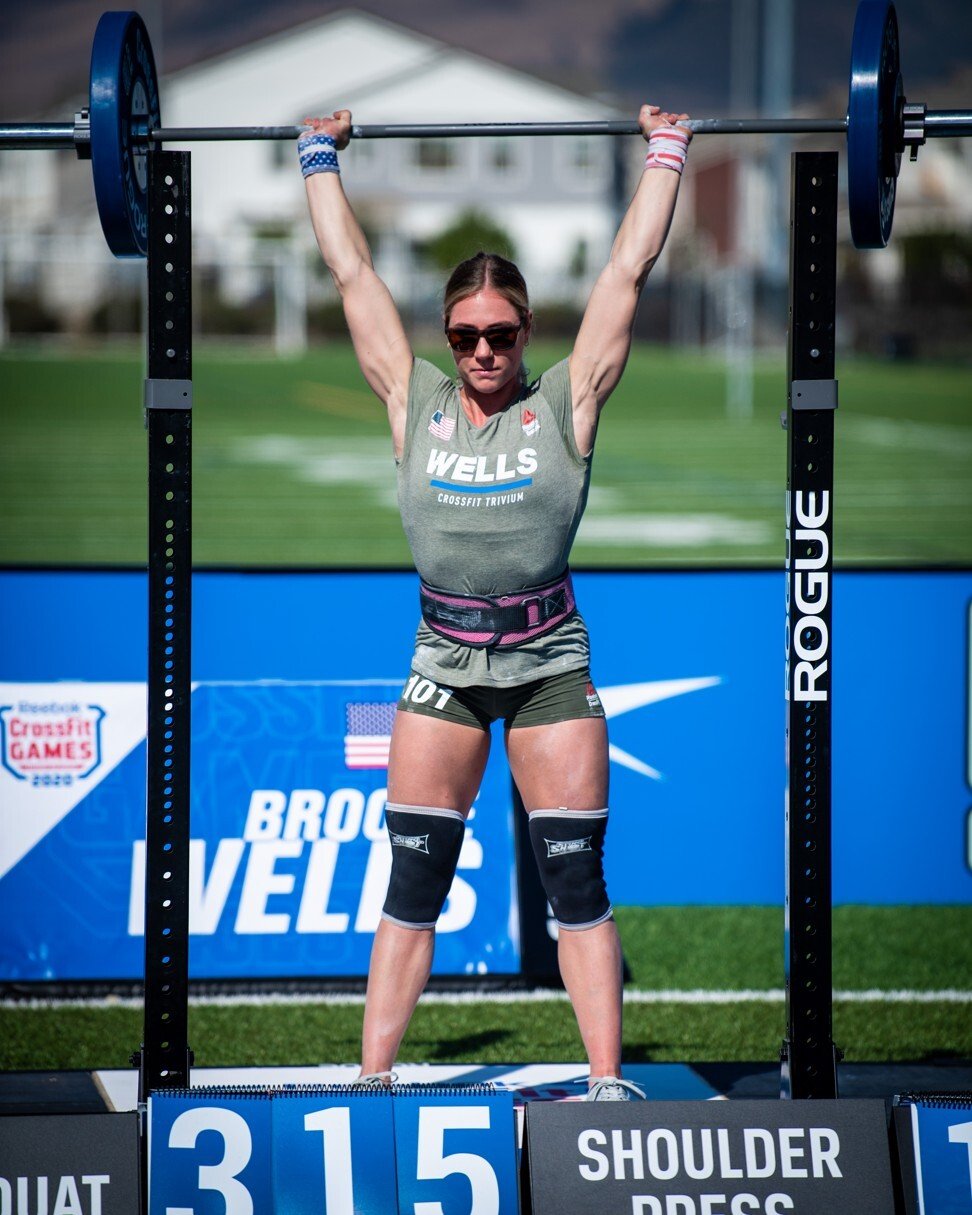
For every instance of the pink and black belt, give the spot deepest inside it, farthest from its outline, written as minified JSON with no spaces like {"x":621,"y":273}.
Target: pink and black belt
{"x":498,"y":622}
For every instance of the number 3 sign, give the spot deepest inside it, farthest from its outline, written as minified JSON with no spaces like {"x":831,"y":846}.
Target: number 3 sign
{"x":332,"y":1151}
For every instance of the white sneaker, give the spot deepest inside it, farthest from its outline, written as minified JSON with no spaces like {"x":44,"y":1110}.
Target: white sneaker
{"x":375,"y":1080}
{"x":613,"y":1088}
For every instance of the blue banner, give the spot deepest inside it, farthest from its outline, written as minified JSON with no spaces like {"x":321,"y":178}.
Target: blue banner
{"x":290,"y":714}
{"x":289,"y":857}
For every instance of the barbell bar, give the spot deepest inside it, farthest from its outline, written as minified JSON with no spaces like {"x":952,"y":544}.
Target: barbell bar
{"x":122,"y":126}
{"x":940,"y":124}
{"x":67,"y":135}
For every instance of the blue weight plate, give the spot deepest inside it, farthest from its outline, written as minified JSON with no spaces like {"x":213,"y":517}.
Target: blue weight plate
{"x":124,"y":89}
{"x":873,"y":154}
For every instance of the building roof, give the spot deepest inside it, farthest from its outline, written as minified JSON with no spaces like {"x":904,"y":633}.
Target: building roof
{"x":382,"y":71}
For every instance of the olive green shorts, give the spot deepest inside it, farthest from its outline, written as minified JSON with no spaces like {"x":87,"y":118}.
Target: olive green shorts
{"x":562,"y":697}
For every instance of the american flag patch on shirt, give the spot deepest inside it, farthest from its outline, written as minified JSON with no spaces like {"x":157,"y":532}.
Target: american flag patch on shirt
{"x":369,"y":727}
{"x":441,"y":426}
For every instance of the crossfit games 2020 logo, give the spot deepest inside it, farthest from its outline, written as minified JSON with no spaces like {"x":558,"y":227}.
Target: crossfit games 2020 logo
{"x":52,"y":743}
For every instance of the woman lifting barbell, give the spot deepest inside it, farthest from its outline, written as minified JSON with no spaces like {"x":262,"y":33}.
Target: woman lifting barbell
{"x":493,"y":475}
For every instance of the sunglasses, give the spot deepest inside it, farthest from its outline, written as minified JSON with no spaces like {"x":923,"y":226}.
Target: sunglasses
{"x":498,"y":337}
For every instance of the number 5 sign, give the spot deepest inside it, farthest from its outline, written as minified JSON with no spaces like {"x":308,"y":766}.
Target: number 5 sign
{"x":332,"y":1151}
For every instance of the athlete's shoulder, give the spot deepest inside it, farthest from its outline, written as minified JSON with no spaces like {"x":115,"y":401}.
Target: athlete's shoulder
{"x":427,"y":378}
{"x":552,"y":388}
{"x":553,"y":382}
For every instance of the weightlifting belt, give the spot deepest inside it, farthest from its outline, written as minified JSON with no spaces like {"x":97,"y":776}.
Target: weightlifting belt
{"x":499,"y":622}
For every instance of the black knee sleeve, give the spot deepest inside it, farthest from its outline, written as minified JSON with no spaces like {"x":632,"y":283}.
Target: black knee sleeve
{"x":425,"y":843}
{"x":569,"y":847}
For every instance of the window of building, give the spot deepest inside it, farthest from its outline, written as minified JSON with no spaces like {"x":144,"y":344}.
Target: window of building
{"x":362,"y":157}
{"x":582,"y":155}
{"x":504,"y":159}
{"x":282,"y":154}
{"x":433,"y":155}
{"x":581,"y":162}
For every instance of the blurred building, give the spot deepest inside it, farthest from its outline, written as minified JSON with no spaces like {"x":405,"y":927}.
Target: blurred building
{"x":550,"y":194}
{"x":722,"y":278}
{"x":556,"y":198}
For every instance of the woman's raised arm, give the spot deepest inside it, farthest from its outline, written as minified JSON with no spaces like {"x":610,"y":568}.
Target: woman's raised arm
{"x":380,"y":341}
{"x":604,"y":339}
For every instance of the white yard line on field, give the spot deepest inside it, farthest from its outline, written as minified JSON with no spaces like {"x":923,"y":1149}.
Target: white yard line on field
{"x":633,"y":996}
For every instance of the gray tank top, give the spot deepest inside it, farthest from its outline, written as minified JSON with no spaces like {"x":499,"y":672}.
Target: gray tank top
{"x":491,"y":510}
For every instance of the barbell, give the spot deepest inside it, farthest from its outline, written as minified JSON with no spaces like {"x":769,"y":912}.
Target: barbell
{"x":122,"y":126}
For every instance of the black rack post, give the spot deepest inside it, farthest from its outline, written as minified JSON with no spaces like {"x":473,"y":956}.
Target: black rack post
{"x":164,"y":1059}
{"x":809,"y":1057}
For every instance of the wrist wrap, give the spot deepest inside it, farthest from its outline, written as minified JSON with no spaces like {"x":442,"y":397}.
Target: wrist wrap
{"x":667,"y":148}
{"x":317,"y":154}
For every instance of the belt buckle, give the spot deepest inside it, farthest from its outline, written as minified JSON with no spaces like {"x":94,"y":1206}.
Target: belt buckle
{"x":533,"y":601}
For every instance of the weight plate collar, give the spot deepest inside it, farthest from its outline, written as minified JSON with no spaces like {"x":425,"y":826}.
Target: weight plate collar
{"x":873,"y":115}
{"x":124,"y":89}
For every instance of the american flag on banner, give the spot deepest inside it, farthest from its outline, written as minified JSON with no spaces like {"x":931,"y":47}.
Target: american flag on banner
{"x":441,"y":426}
{"x":368,"y":734}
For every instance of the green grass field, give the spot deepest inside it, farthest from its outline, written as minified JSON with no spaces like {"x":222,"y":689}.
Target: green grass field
{"x":292,"y":463}
{"x":731,"y":949}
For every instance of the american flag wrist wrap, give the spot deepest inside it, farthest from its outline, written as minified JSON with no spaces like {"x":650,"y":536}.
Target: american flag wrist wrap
{"x":317,"y":154}
{"x":667,"y":148}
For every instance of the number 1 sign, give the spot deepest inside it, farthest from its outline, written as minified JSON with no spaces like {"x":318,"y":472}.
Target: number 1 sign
{"x":934,"y":1132}
{"x":331,"y":1153}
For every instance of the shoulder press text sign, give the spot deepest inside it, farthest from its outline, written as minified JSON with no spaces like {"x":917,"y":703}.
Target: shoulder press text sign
{"x":708,"y":1158}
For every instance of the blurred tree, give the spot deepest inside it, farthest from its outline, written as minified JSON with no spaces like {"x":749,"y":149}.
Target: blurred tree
{"x":577,"y":266}
{"x":273,"y":231}
{"x":938,"y":267}
{"x":470,"y":232}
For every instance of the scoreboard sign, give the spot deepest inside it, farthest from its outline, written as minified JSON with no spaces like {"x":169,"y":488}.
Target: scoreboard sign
{"x":708,"y":1158}
{"x":332,"y":1151}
